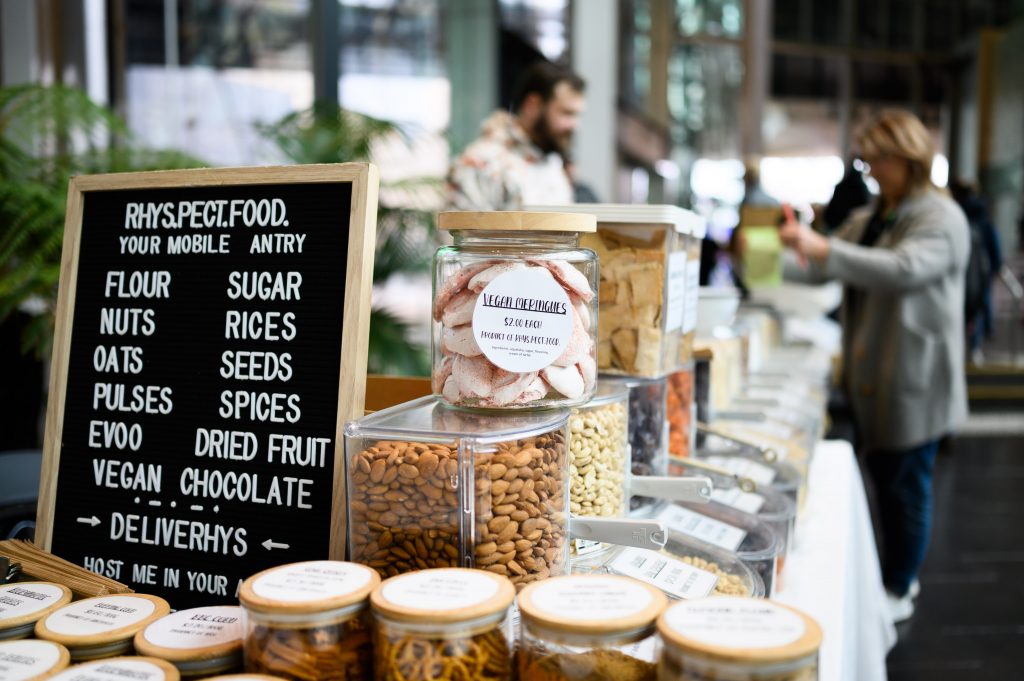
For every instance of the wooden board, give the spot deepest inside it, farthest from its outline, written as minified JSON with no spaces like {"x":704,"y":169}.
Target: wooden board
{"x":250,"y":321}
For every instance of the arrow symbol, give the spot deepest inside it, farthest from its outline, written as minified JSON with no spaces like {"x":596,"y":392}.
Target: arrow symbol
{"x":268,"y":545}
{"x":94,"y":521}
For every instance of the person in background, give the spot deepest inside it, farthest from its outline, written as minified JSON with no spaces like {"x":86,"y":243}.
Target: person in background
{"x":902,"y":260}
{"x":519,"y":157}
{"x":985,"y":263}
{"x":850,"y":193}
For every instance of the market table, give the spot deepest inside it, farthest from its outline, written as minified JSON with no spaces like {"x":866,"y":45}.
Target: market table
{"x":833,"y":574}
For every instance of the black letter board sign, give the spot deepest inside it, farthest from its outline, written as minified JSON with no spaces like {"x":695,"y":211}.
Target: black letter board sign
{"x":211,"y":342}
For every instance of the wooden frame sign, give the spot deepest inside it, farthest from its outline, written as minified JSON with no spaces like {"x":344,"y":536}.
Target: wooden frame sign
{"x":211,"y":340}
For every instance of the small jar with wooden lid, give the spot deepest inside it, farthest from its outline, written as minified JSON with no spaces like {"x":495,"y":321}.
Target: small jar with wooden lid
{"x":308,"y":621}
{"x":589,"y":627}
{"x":120,"y":669}
{"x":198,"y":641}
{"x":444,"y":624}
{"x":737,"y":639}
{"x":103,"y":626}
{"x":245,"y":677}
{"x":31,"y":659}
{"x":515,"y":310}
{"x":22,"y":604}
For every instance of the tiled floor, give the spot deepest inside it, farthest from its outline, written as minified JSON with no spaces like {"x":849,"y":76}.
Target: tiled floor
{"x":970,"y":615}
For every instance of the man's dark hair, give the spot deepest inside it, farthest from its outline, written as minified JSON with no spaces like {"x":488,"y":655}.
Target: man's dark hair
{"x":542,"y":77}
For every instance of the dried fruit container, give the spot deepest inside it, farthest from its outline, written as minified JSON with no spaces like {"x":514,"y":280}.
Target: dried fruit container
{"x":119,"y":669}
{"x":101,"y":627}
{"x":430,"y":486}
{"x":22,"y":604}
{"x":31,"y":660}
{"x":309,"y":621}
{"x":447,"y":623}
{"x":737,"y":639}
{"x":199,"y":641}
{"x":745,"y":535}
{"x":682,"y":569}
{"x":583,"y":627}
{"x":515,"y":311}
{"x":743,"y":494}
{"x":648,"y":433}
{"x":681,"y":412}
{"x":645,"y":281}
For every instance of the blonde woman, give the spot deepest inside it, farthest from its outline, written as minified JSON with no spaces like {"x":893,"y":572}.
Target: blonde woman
{"x":902,"y":261}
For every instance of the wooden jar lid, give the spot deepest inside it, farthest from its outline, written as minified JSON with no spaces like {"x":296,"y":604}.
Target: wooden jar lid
{"x":24,"y":603}
{"x":743,"y":630}
{"x":121,"y":668}
{"x":443,"y":595}
{"x":32,"y":660}
{"x":245,"y":677}
{"x":196,"y":635}
{"x":79,"y":625}
{"x":311,"y":587}
{"x":516,"y":221}
{"x":591,"y":604}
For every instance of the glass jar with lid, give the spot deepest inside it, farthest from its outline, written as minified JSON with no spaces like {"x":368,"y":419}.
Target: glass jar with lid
{"x":588,"y":627}
{"x":307,"y":621}
{"x":445,"y":623}
{"x":102,"y":626}
{"x":31,"y":660}
{"x":515,"y":311}
{"x":737,"y":639}
{"x":198,"y":641}
{"x":430,"y":486}
{"x":119,"y":669}
{"x":22,"y":604}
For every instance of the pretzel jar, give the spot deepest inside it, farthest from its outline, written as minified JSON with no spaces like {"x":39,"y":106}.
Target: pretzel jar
{"x":515,"y":311}
{"x":430,"y":486}
{"x":307,"y":621}
{"x":445,"y":624}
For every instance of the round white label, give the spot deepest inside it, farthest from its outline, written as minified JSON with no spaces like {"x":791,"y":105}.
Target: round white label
{"x":27,"y":659}
{"x":311,"y":581}
{"x":440,"y":590}
{"x":594,"y":598}
{"x":112,"y":670}
{"x":18,"y":600}
{"x":523,"y":320}
{"x":99,"y":615}
{"x":735,"y":623}
{"x":197,"y":628}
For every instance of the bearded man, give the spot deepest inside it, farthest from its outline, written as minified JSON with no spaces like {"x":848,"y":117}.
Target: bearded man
{"x":519,"y":158}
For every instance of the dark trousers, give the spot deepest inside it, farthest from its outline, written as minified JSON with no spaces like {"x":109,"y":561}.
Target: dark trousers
{"x":903,"y":483}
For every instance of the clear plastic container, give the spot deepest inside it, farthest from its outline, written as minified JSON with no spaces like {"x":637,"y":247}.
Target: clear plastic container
{"x":737,"y":639}
{"x":515,"y":311}
{"x":22,"y":604}
{"x":430,"y":486}
{"x":751,"y":539}
{"x":684,"y":569}
{"x":644,"y":268}
{"x":648,"y":433}
{"x":31,"y":660}
{"x":447,"y":623}
{"x":588,"y":627}
{"x":779,"y":475}
{"x":681,"y":411}
{"x":777,"y":510}
{"x":119,"y":669}
{"x":199,"y":641}
{"x":690,"y":314}
{"x":308,"y":621}
{"x":102,"y":626}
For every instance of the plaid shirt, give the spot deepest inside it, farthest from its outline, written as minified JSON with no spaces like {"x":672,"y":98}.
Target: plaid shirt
{"x":504,"y":170}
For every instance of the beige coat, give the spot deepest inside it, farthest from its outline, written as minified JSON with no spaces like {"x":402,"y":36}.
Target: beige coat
{"x":903,"y":342}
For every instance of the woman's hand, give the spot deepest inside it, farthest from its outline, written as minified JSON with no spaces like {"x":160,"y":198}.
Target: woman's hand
{"x":804,"y":241}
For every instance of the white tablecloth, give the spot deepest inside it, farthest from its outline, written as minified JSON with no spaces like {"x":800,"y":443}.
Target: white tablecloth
{"x":833,"y":573}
